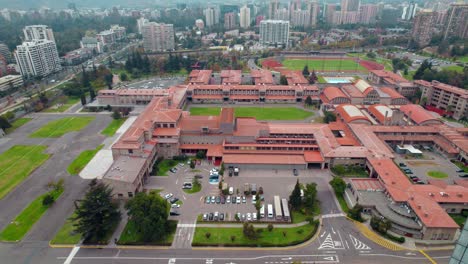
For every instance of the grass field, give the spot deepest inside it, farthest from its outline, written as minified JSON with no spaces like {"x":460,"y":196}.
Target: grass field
{"x":454,"y":68}
{"x":323,"y":65}
{"x":16,"y":230}
{"x":82,"y":160}
{"x":17,"y":123}
{"x":277,"y":237}
{"x":195,"y":189}
{"x":62,"y":108}
{"x":463,"y":59}
{"x":130,"y":235}
{"x":66,"y":235}
{"x":58,"y":128}
{"x":164,"y":166}
{"x":113,"y":127}
{"x":437,"y":174}
{"x":17,"y":163}
{"x":260,"y":113}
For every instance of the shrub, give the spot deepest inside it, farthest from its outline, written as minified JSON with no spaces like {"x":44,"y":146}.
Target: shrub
{"x":233,"y":238}
{"x":284,"y":233}
{"x":207,"y":235}
{"x":300,"y":231}
{"x":270,"y":227}
{"x":48,"y":200}
{"x":259,"y":230}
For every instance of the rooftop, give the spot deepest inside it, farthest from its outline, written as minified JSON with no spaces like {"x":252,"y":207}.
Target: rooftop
{"x":417,"y":114}
{"x":125,"y":168}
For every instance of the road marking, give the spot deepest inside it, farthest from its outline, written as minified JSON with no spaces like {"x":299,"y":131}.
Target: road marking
{"x":323,"y":234}
{"x":359,"y":245}
{"x":72,"y":254}
{"x":186,"y":225}
{"x":171,"y":261}
{"x":428,"y":257}
{"x":402,"y":257}
{"x":333,"y":215}
{"x":184,"y":197}
{"x":177,"y":181}
{"x":327,"y":243}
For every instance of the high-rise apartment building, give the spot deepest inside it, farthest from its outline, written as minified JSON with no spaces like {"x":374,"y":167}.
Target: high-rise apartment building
{"x":274,"y":32}
{"x":350,"y":5}
{"x":329,"y":12}
{"x":282,"y":14}
{"x":313,"y":8}
{"x":456,"y":24}
{"x":300,"y":18}
{"x":368,"y":13}
{"x":37,"y":32}
{"x":409,"y":11}
{"x":272,"y":7}
{"x":209,"y":17}
{"x":245,"y":17}
{"x":140,"y":23}
{"x":294,"y":5}
{"x":229,"y":20}
{"x":37,"y":58}
{"x":423,"y":26}
{"x":158,"y":37}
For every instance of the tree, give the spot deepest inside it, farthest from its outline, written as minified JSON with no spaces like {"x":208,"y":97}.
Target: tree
{"x":258,"y":204}
{"x":149,"y":212}
{"x":308,"y":101}
{"x":270,"y":227}
{"x":116,"y":115}
{"x":371,"y":55}
{"x":305,"y":71}
{"x":338,"y":185}
{"x":355,"y":212}
{"x":201,"y":154}
{"x":283,"y":80}
{"x":108,"y":79}
{"x":48,"y":200}
{"x":420,"y":71}
{"x":329,"y":117}
{"x":4,"y":123}
{"x":92,"y":93}
{"x":310,"y":196}
{"x":96,"y":215}
{"x":123,"y":77}
{"x":192,"y":164}
{"x":295,"y":198}
{"x":249,"y":231}
{"x":83,"y":99}
{"x":380,"y":224}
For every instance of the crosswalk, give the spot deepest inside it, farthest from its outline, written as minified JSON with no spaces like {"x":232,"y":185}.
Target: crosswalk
{"x":376,"y":238}
{"x":359,"y":245}
{"x":333,"y":215}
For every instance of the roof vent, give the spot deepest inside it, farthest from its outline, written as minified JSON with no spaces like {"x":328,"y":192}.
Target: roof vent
{"x":419,"y":207}
{"x":431,"y":194}
{"x":426,"y":214}
{"x":412,"y":198}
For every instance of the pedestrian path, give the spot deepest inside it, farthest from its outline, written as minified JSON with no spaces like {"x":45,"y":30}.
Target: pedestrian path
{"x":377,"y":238}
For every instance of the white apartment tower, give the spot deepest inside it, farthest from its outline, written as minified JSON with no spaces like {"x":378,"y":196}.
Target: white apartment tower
{"x":37,"y":32}
{"x":274,"y":33}
{"x":140,"y":23}
{"x":158,"y":37}
{"x":37,"y":58}
{"x":209,"y":17}
{"x":245,"y":17}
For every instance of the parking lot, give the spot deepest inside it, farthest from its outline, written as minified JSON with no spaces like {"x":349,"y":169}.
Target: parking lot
{"x":273,"y":182}
{"x":430,"y":162}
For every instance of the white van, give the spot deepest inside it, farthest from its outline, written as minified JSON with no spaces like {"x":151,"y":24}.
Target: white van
{"x":270,"y":211}
{"x":231,"y":190}
{"x":262,"y":211}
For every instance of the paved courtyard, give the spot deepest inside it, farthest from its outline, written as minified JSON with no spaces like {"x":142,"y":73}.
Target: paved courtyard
{"x":431,"y":162}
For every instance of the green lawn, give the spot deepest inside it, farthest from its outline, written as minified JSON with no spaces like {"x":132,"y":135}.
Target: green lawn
{"x":437,"y":174}
{"x":27,"y":218}
{"x":17,"y":123}
{"x":321,"y":79}
{"x":63,"y":107}
{"x":409,"y":76}
{"x":454,"y":68}
{"x":66,"y":235}
{"x":82,"y":160}
{"x":323,"y":65}
{"x":164,"y":166}
{"x":260,"y":113}
{"x":460,"y":165}
{"x":222,"y":236}
{"x":195,"y":189}
{"x":113,"y":127}
{"x":17,"y":163}
{"x":130,"y":235}
{"x":463,"y":59}
{"x":58,"y":128}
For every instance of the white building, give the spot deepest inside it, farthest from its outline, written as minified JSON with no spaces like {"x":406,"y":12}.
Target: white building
{"x":209,"y":17}
{"x":140,"y":23}
{"x":314,"y":9}
{"x":37,"y":58}
{"x":10,"y":81}
{"x":274,"y":32}
{"x":119,"y":31}
{"x":245,"y":17}
{"x":106,"y":37}
{"x":91,"y":43}
{"x":409,"y":11}
{"x":38,"y":32}
{"x":158,"y":37}
{"x":300,"y":18}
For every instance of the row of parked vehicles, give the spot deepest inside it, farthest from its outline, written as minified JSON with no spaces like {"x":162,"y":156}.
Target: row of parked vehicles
{"x":216,"y":216}
{"x":409,"y":172}
{"x":173,"y":201}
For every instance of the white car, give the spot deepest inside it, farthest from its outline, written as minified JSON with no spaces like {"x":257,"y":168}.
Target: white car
{"x":228,"y":200}
{"x":249,"y":217}
{"x":254,"y":216}
{"x":168,"y":196}
{"x":181,"y":164}
{"x":238,"y":200}
{"x":254,"y":199}
{"x":175,"y":205}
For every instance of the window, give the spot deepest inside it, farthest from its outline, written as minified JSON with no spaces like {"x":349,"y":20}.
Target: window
{"x":120,"y":195}
{"x":130,"y":151}
{"x":130,"y":194}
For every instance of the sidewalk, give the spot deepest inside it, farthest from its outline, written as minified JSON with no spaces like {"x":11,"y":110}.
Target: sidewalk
{"x":118,"y":231}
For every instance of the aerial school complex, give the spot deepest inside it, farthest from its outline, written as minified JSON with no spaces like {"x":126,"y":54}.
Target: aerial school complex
{"x":372,"y":122}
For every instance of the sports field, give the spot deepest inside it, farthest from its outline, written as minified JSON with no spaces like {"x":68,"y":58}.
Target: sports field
{"x":323,"y":65}
{"x":58,"y":128}
{"x":17,"y":163}
{"x":260,"y":113}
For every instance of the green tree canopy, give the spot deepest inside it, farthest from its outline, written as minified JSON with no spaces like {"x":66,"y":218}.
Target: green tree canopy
{"x":338,"y":185}
{"x":295,"y":198}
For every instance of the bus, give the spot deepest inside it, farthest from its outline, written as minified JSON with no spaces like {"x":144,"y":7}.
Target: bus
{"x":284,"y":203}
{"x":278,"y":211}
{"x":270,"y":211}
{"x":262,"y":211}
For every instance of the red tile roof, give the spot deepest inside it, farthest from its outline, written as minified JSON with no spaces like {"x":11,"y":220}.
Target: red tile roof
{"x":418,"y":114}
{"x":391,"y":92}
{"x":393,"y":77}
{"x":351,"y":113}
{"x":262,"y":76}
{"x":264,"y":159}
{"x":332,"y":92}
{"x":313,"y":156}
{"x":231,"y":76}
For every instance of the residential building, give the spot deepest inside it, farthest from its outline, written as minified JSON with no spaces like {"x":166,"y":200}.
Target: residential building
{"x":300,"y":18}
{"x":245,"y":17}
{"x":259,"y":19}
{"x":456,"y":21}
{"x":5,"y":52}
{"x":272,"y":7}
{"x":423,"y":27}
{"x":37,"y":58}
{"x":3,"y":66}
{"x":330,"y":10}
{"x":402,"y":86}
{"x":119,"y":31}
{"x":10,"y":81}
{"x":140,"y":23}
{"x":209,"y":17}
{"x":158,"y":37}
{"x":91,"y":43}
{"x":409,"y":11}
{"x":350,"y":5}
{"x":294,"y":5}
{"x":229,"y":20}
{"x":77,"y":56}
{"x":451,"y":99}
{"x":368,"y":13}
{"x":282,"y":14}
{"x":106,"y":37}
{"x":274,"y":32}
{"x":314,"y":10}
{"x":38,"y":32}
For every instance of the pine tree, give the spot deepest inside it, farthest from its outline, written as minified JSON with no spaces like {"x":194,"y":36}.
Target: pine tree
{"x":305,"y":71}
{"x":83,"y":99}
{"x":295,"y":198}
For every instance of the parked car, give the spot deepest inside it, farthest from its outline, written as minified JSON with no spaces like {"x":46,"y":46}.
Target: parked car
{"x":231,"y":190}
{"x":173,"y":200}
{"x":175,"y":205}
{"x":254,"y":199}
{"x":216,"y":216}
{"x":234,"y":200}
{"x":228,"y":200}
{"x":205,"y":217}
{"x":463,"y":175}
{"x":213,"y":199}
{"x":210,"y":217}
{"x":260,"y":190}
{"x":295,"y":172}
{"x":181,"y":164}
{"x":223,"y":200}
{"x":238,"y":200}
{"x":230,"y":172}
{"x":168,"y":196}
{"x":409,"y":172}
{"x":239,"y":216}
{"x":173,"y":170}
{"x":174,"y":212}
{"x":218,"y":199}
{"x":207,"y":200}
{"x":249,"y":217}
{"x":243,"y":217}
{"x":254,"y":216}
{"x":244,"y":200}
{"x":221,"y":217}
{"x":187,"y":185}
{"x":198,"y":176}
{"x":402,"y":164}
{"x":460,"y":170}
